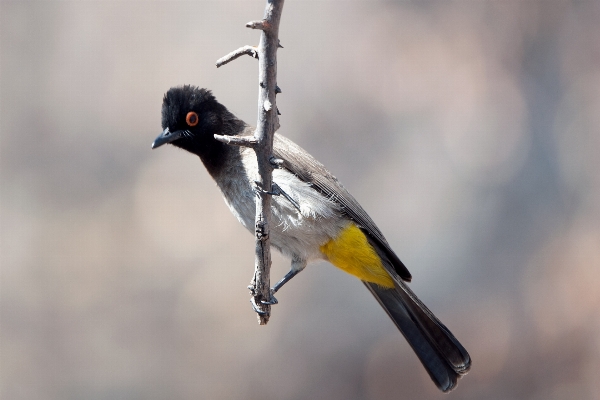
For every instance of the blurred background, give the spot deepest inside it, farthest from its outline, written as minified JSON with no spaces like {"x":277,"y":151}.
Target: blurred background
{"x":470,"y":131}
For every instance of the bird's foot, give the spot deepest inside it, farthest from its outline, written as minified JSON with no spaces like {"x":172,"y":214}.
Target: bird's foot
{"x":255,"y":308}
{"x":272,"y":300}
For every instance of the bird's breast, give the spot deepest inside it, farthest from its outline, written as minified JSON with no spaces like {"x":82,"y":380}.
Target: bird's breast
{"x":298,"y":229}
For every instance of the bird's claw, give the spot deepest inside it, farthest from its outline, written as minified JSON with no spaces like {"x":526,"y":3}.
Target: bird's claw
{"x":255,"y":308}
{"x":272,"y":300}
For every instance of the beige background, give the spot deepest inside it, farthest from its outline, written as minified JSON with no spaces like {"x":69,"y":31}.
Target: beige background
{"x":470,"y":130}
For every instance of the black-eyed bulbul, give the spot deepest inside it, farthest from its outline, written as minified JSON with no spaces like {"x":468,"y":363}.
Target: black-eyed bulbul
{"x":316,"y":219}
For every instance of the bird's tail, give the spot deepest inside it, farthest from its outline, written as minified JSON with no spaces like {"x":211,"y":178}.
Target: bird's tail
{"x":444,"y":358}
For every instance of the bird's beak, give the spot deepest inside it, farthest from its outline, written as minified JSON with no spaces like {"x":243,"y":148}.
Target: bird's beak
{"x":166,"y":137}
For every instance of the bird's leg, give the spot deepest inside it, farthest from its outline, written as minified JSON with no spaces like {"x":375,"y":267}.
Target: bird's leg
{"x":297,"y":266}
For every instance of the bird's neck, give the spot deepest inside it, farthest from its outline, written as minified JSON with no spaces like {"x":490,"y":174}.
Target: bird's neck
{"x":216,"y":155}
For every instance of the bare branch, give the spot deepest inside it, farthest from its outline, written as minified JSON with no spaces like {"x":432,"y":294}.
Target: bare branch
{"x":266,"y":126}
{"x":249,"y":50}
{"x":245,"y":141}
{"x":262,"y":143}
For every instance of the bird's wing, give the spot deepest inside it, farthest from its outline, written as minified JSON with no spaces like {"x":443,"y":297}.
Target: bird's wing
{"x":304,"y":166}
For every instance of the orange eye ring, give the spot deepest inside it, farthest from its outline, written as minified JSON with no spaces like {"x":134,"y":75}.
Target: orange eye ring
{"x":192,"y":118}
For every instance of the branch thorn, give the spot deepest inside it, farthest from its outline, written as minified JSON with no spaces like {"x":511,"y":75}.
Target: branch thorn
{"x":276,"y":162}
{"x":262,"y":25}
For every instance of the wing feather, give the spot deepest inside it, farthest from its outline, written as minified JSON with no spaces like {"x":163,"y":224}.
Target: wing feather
{"x":304,"y":166}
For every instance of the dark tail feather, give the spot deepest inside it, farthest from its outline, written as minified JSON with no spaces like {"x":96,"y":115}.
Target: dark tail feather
{"x":444,"y":358}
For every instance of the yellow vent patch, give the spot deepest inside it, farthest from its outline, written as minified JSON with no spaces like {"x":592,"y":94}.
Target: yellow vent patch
{"x":351,"y":252}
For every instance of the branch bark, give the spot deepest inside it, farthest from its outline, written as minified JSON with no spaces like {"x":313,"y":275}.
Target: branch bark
{"x":268,"y":123}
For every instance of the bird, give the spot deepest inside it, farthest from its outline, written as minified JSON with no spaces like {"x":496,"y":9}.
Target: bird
{"x":315,"y":218}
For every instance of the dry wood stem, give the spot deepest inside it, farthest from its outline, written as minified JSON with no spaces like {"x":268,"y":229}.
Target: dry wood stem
{"x":262,"y":143}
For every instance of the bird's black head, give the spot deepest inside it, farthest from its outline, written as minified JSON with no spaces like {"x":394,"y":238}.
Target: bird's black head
{"x":190,"y":118}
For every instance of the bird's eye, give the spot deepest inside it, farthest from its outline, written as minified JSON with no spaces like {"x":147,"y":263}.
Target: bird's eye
{"x":191,"y":118}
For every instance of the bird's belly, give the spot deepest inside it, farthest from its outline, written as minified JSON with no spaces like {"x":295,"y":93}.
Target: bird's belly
{"x":300,"y":236}
{"x":292,"y":232}
{"x":295,"y":235}
{"x":311,"y":237}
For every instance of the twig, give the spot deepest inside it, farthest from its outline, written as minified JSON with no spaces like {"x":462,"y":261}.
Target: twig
{"x":262,"y":143}
{"x":249,"y":50}
{"x":245,"y":141}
